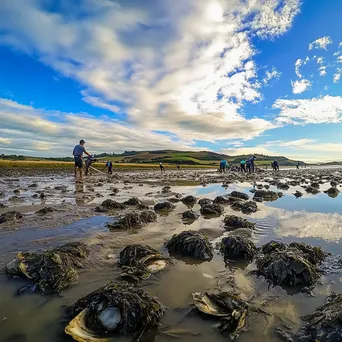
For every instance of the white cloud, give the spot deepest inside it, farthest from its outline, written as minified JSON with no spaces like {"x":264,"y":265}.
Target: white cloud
{"x":300,"y":86}
{"x":296,"y":143}
{"x":322,"y":70}
{"x":300,"y":62}
{"x":337,"y":75}
{"x":339,"y":59}
{"x":320,"y":60}
{"x":327,"y":109}
{"x":270,"y":75}
{"x":166,"y":71}
{"x":321,"y":43}
{"x":5,"y":141}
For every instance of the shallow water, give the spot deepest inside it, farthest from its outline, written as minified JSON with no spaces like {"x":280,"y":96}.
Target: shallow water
{"x":316,"y":219}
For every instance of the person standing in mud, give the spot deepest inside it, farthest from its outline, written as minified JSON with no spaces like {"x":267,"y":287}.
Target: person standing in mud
{"x":162,"y":168}
{"x":223,"y":166}
{"x":78,"y":155}
{"x":251,"y":160}
{"x":243,"y":165}
{"x":275,"y":165}
{"x":109,"y":166}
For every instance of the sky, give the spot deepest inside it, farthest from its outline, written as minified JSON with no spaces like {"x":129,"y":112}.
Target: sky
{"x":232,"y":76}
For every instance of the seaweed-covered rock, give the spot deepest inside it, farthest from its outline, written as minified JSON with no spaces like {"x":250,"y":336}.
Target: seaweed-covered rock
{"x":164,"y":206}
{"x":265,"y":195}
{"x":237,"y":247}
{"x":295,"y":264}
{"x":33,"y":185}
{"x":325,"y":323}
{"x":333,"y":184}
{"x":140,"y":261}
{"x":280,"y":194}
{"x":228,"y":307}
{"x":109,"y":205}
{"x":283,"y":186}
{"x":233,"y":222}
{"x":3,"y":206}
{"x":315,"y":185}
{"x":332,"y":192}
{"x":247,"y":207}
{"x":189,"y":200}
{"x":132,"y":201}
{"x":221,"y":200}
{"x":298,"y":194}
{"x":311,"y":190}
{"x":189,"y":215}
{"x":240,"y":195}
{"x":45,"y":211}
{"x":192,"y":244}
{"x":117,"y":308}
{"x":134,"y":220}
{"x":212,"y":209}
{"x":53,"y":270}
{"x":10,"y":216}
{"x":166,"y":189}
{"x":205,"y":201}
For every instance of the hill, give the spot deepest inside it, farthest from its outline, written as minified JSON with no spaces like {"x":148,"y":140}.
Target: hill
{"x":205,"y":158}
{"x":189,"y":158}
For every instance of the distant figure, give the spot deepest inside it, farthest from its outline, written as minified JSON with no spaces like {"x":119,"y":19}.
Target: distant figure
{"x":90,"y":160}
{"x":178,"y":166}
{"x":251,"y":160}
{"x":78,"y":155}
{"x":275,"y":165}
{"x":298,"y":165}
{"x":162,"y":168}
{"x":243,"y":165}
{"x":223,"y":165}
{"x":109,"y":166}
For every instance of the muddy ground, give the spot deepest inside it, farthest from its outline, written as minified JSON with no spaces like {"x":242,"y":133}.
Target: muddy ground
{"x":311,"y":215}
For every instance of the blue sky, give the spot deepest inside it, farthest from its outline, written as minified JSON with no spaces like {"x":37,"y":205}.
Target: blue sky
{"x":234,"y":76}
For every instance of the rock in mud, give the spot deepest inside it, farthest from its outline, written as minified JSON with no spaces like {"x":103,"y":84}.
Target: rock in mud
{"x":45,"y":211}
{"x":34,"y":185}
{"x":115,"y":309}
{"x":132,"y":201}
{"x":233,"y":222}
{"x":265,"y":195}
{"x":325,"y":323}
{"x":134,"y":220}
{"x":164,"y":206}
{"x":332,"y":192}
{"x":315,"y":185}
{"x":51,"y":271}
{"x":3,"y":206}
{"x":311,"y":190}
{"x":138,"y":262}
{"x":247,"y":207}
{"x":114,"y":190}
{"x":189,"y":200}
{"x":16,"y":191}
{"x":189,"y":215}
{"x":333,"y":184}
{"x":166,"y":189}
{"x":237,"y":247}
{"x":10,"y":216}
{"x":212,"y":209}
{"x":142,"y":206}
{"x":283,"y":186}
{"x":16,"y":199}
{"x":42,"y":196}
{"x":205,"y":201}
{"x":298,"y":194}
{"x":228,"y":307}
{"x":295,"y":264}
{"x":280,"y":194}
{"x":221,"y":200}
{"x":240,"y":195}
{"x":109,"y":205}
{"x":192,"y":244}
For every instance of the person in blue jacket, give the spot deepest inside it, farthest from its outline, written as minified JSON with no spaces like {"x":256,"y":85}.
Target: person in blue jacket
{"x":223,"y":165}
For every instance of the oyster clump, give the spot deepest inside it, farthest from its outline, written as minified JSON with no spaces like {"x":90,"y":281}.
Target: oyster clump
{"x":117,"y":308}
{"x":139,"y":262}
{"x":228,"y":307}
{"x":325,"y":323}
{"x":192,"y":244}
{"x":294,"y":264}
{"x":53,"y":270}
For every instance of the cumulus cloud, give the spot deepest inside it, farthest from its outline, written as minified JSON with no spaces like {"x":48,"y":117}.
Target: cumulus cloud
{"x":337,"y":75}
{"x":322,"y":70}
{"x":153,"y":61}
{"x":50,"y":133}
{"x":300,"y":86}
{"x":273,"y":74}
{"x":299,"y":63}
{"x":321,"y":43}
{"x":327,"y":109}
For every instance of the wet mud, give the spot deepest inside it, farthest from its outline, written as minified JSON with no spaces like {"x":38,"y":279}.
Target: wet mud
{"x":51,"y":210}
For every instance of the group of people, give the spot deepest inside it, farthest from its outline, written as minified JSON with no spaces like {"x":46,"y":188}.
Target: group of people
{"x":78,"y":158}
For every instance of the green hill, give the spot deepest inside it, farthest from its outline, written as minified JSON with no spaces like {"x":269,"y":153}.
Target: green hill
{"x":189,"y":158}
